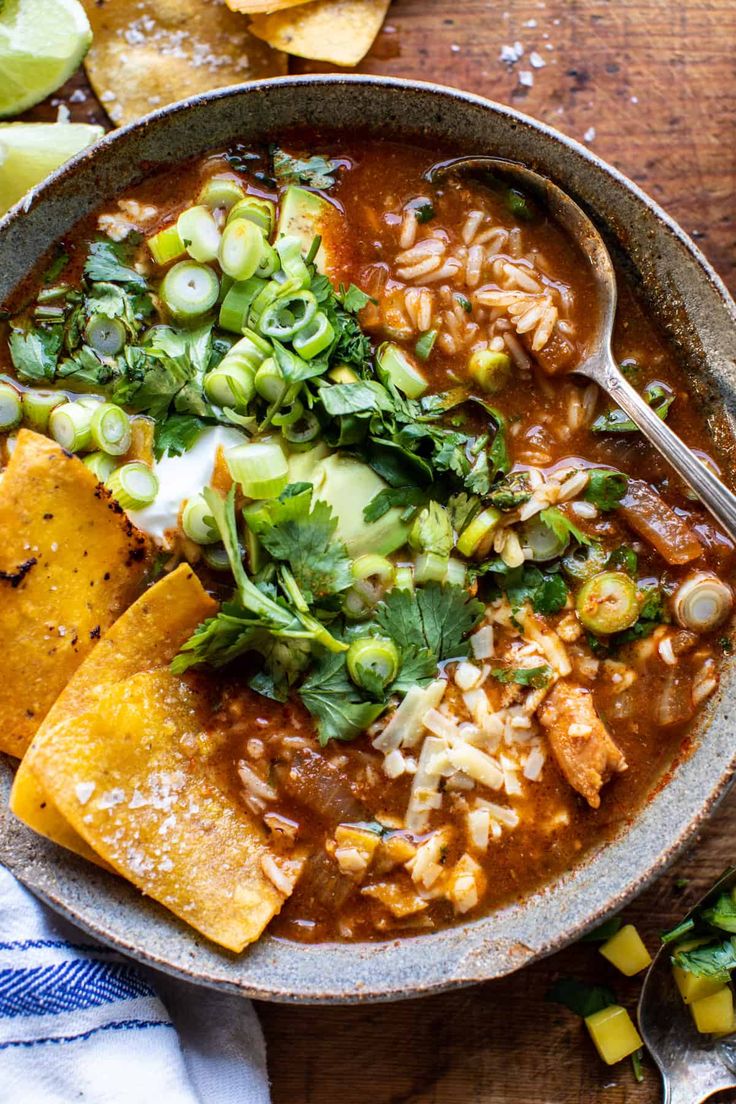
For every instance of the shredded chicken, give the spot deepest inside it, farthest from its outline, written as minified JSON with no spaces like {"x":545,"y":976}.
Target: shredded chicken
{"x":585,"y":753}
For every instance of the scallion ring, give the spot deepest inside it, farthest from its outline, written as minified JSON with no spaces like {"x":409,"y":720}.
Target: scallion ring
{"x":105,"y":335}
{"x":476,"y":538}
{"x":289,"y":249}
{"x":197,"y":521}
{"x":430,"y":567}
{"x":288,"y":315}
{"x":100,"y":464}
{"x":372,"y":659}
{"x":166,"y":246}
{"x":301,"y":433}
{"x":584,"y":561}
{"x":240,"y":249}
{"x":134,"y":485}
{"x":69,"y":425}
{"x":269,"y":262}
{"x":110,"y":429}
{"x":373,"y":576}
{"x":235,"y":306}
{"x":37,"y":407}
{"x":11,"y":408}
{"x":540,"y":542}
{"x":259,"y":467}
{"x":404,"y":578}
{"x":315,"y":337}
{"x":199,"y":232}
{"x":607,"y":603}
{"x":270,"y":384}
{"x":261,"y":212}
{"x":216,"y":557}
{"x":189,"y":290}
{"x":288,"y":416}
{"x":221,"y":191}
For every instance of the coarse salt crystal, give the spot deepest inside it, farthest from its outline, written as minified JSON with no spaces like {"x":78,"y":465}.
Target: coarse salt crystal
{"x":536,"y":60}
{"x":526,"y":78}
{"x":589,"y":134}
{"x":84,"y":791}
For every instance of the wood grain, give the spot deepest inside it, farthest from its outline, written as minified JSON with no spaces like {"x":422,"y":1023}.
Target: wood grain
{"x":650,"y":85}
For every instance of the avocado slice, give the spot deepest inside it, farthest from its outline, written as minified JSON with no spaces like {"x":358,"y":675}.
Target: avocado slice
{"x":303,"y":465}
{"x":303,"y":215}
{"x":348,"y":486}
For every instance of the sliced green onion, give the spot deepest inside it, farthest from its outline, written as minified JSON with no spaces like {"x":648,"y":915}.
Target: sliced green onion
{"x":134,"y":486}
{"x":199,"y":232}
{"x":216,"y":557}
{"x":372,"y":658}
{"x":236,"y":305}
{"x":231,"y":384}
{"x":456,"y":573}
{"x":476,"y":538}
{"x":584,"y":561}
{"x":289,"y":249}
{"x":607,"y":603}
{"x":431,"y":530}
{"x":110,"y":429}
{"x":269,"y":262}
{"x":343,"y":373}
{"x":404,"y":578}
{"x":301,"y":433}
{"x":540,"y":542}
{"x":288,"y":415}
{"x":260,"y":468}
{"x":69,"y":425}
{"x":90,"y":401}
{"x":273,"y":290}
{"x":189,"y":290}
{"x":48,"y":294}
{"x":197,"y":521}
{"x":221,"y":191}
{"x":11,"y":408}
{"x":100,"y":464}
{"x":270,"y":384}
{"x":166,"y":246}
{"x":430,"y":567}
{"x":49,"y":314}
{"x":400,"y":370}
{"x":288,"y":315}
{"x":373,"y":576}
{"x":425,"y":344}
{"x":37,"y":407}
{"x":674,"y":935}
{"x":240,"y":249}
{"x":261,"y":212}
{"x":315,"y":337}
{"x":490,"y":370}
{"x":105,"y":335}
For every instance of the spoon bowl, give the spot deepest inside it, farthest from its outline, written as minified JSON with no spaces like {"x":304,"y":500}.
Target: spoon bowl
{"x":598,"y":362}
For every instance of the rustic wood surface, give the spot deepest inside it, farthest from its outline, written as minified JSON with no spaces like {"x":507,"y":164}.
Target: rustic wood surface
{"x":650,"y":85}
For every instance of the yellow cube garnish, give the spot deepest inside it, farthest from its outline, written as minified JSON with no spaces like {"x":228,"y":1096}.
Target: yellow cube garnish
{"x":713,"y":1015}
{"x":694,"y":988}
{"x":626,"y":952}
{"x":613,"y":1033}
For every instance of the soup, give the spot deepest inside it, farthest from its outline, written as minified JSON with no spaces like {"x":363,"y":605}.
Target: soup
{"x":463,"y":616}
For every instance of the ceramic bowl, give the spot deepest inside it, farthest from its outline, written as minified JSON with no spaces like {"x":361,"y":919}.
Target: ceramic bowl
{"x":689,"y":302}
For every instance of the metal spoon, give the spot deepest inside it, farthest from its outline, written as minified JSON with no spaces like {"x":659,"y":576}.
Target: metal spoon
{"x":692,"y":1066}
{"x":599,"y":363}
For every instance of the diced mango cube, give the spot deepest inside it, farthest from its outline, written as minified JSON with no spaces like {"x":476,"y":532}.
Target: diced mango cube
{"x":713,"y":1015}
{"x":626,"y":951}
{"x":613,"y":1033}
{"x":693,"y":988}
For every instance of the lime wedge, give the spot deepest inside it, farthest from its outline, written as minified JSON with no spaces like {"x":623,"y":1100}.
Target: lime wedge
{"x":30,"y":151}
{"x":41,"y":44}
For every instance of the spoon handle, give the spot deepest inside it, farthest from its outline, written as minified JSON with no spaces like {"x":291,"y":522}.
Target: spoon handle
{"x":714,"y":495}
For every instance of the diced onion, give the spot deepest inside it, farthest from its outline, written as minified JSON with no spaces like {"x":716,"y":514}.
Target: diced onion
{"x":702,"y":602}
{"x":481,"y":642}
{"x":134,"y":485}
{"x":406,"y":726}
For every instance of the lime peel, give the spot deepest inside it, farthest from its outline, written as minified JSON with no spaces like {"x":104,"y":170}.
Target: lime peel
{"x":29,"y":152}
{"x":42,"y":42}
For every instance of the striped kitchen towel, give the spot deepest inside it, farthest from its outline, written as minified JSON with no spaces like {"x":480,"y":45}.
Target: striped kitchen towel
{"x":82,"y":1023}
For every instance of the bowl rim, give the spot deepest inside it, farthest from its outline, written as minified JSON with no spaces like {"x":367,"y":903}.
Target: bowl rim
{"x":477,"y":968}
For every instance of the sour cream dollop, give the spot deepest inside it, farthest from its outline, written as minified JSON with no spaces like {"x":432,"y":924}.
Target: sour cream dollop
{"x":181,"y":477}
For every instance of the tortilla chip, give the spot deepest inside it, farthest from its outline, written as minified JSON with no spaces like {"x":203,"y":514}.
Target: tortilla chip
{"x":128,"y":777}
{"x":70,"y":563}
{"x":340,"y":31}
{"x":148,"y":53}
{"x":148,"y":635}
{"x":256,"y":7}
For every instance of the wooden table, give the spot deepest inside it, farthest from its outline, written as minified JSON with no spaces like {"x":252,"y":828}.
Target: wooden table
{"x":651,"y":86}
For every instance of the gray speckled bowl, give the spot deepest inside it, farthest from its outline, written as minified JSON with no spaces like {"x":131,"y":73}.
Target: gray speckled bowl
{"x":689,"y":301}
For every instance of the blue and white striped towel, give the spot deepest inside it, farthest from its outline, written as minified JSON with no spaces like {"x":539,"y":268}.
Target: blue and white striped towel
{"x":81,"y":1023}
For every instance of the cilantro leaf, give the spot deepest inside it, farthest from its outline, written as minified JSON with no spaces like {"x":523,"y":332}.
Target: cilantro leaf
{"x":435,"y":618}
{"x":106,"y":262}
{"x":336,"y":703}
{"x":511,"y":492}
{"x":580,"y":997}
{"x":722,"y":914}
{"x":606,"y":488}
{"x":177,"y":434}
{"x":315,"y":171}
{"x":546,"y":591}
{"x":304,"y":538}
{"x":35,"y":354}
{"x":354,"y":299}
{"x":562,"y":527}
{"x":712,"y":960}
{"x":418,"y":668}
{"x":538,"y":677}
{"x":355,"y":398}
{"x":659,"y":397}
{"x":390,"y":497}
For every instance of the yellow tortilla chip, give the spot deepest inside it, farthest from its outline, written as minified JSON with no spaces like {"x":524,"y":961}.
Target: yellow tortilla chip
{"x":340,"y":31}
{"x":70,"y":563}
{"x":128,"y":778}
{"x":148,"y":53}
{"x":148,"y":635}
{"x":256,"y":7}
